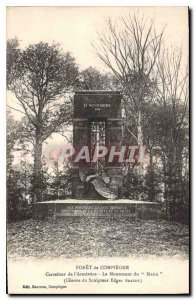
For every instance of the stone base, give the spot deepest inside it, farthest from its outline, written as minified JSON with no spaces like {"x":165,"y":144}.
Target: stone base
{"x":109,"y":209}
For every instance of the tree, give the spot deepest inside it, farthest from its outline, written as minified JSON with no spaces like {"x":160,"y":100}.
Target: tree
{"x":45,"y":75}
{"x":92,"y":79}
{"x":172,"y":124}
{"x":131,"y":53}
{"x":61,"y":179}
{"x":18,"y":176}
{"x":13,"y":57}
{"x":13,"y":133}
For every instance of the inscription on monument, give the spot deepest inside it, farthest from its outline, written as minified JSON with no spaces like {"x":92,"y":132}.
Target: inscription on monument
{"x":103,"y":211}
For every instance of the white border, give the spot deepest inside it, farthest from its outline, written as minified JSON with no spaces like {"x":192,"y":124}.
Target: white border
{"x":3,"y":5}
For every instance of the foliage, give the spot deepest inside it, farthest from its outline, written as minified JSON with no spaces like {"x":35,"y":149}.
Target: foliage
{"x":18,"y":178}
{"x":45,"y":74}
{"x":60,"y":184}
{"x":13,"y":58}
{"x":134,"y":185}
{"x":13,"y":133}
{"x":92,"y":79}
{"x":18,"y":193}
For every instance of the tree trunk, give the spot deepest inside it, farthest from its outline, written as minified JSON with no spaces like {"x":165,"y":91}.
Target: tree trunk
{"x":139,"y":129}
{"x":38,"y":167}
{"x":140,"y":141}
{"x":165,"y":188}
{"x":152,"y":185}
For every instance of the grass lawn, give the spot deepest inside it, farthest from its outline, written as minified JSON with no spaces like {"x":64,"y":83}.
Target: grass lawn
{"x":95,"y":237}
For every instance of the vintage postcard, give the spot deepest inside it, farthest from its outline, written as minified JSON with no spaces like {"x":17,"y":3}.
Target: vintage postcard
{"x":98,"y":150}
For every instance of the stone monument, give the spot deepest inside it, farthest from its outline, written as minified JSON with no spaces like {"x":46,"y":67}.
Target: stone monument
{"x":96,"y":123}
{"x":97,"y":181}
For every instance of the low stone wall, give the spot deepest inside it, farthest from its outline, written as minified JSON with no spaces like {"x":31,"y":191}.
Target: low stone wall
{"x":97,"y":209}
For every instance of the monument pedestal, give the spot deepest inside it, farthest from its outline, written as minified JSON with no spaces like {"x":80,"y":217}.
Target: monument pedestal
{"x":109,"y":209}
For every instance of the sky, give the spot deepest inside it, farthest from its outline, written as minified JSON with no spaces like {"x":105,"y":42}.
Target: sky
{"x":76,"y":27}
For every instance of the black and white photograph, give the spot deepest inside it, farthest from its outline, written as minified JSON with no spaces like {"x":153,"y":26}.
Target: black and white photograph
{"x":97,"y":164}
